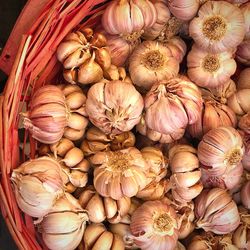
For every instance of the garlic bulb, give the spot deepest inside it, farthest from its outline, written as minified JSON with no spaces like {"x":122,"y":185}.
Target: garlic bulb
{"x":171,"y":105}
{"x":245,"y":195}
{"x":208,"y":69}
{"x":114,"y":107}
{"x":228,"y":180}
{"x":128,"y":18}
{"x":244,"y":123}
{"x":221,"y":148}
{"x":47,"y":115}
{"x":216,"y":211}
{"x":243,"y":81}
{"x":96,"y":141}
{"x":101,"y":208}
{"x":239,"y":102}
{"x":84,"y":56}
{"x":119,"y":173}
{"x":154,"y":226}
{"x":220,"y":26}
{"x":97,"y":237}
{"x":184,"y":10}
{"x":172,"y":28}
{"x":63,"y":227}
{"x":177,"y":47}
{"x":245,"y":8}
{"x":243,"y":53}
{"x":163,"y":15}
{"x":186,"y":174}
{"x":214,"y":115}
{"x":151,"y":62}
{"x":153,"y":135}
{"x":37,"y":185}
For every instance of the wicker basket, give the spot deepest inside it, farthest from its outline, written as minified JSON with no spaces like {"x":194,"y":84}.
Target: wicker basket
{"x":29,"y":59}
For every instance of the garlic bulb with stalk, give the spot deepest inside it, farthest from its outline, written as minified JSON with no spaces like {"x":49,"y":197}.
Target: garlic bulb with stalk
{"x":64,"y":225}
{"x":154,"y":226}
{"x":163,"y":15}
{"x":84,"y":56}
{"x":114,"y":107}
{"x":214,"y":114}
{"x":219,"y":27}
{"x":96,"y":237}
{"x":119,"y":173}
{"x":153,"y":135}
{"x":243,"y":52}
{"x":208,"y":69}
{"x":239,"y":102}
{"x":216,"y":211}
{"x":37,"y":185}
{"x":151,"y":62}
{"x":243,"y":82}
{"x":96,"y":141}
{"x":186,"y":174}
{"x":184,"y":10}
{"x":221,"y":149}
{"x":171,"y":105}
{"x":129,"y":18}
{"x":47,"y":115}
{"x":100,"y":208}
{"x":228,"y":180}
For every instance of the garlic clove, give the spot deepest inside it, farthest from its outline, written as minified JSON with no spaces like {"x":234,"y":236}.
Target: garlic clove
{"x":117,"y":243}
{"x":76,"y":59}
{"x":73,"y":157}
{"x":104,"y":242}
{"x":187,"y":179}
{"x":98,"y":40}
{"x":86,"y":196}
{"x":73,"y":134}
{"x":70,"y":89}
{"x":70,"y":76}
{"x":110,"y":206}
{"x":75,"y":100}
{"x":103,"y":58}
{"x":62,"y":147}
{"x":78,"y":178}
{"x":92,"y":233}
{"x":77,"y":121}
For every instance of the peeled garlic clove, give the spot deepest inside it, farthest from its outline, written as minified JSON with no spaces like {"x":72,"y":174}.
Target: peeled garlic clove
{"x":73,"y":134}
{"x":77,"y":121}
{"x":90,"y":72}
{"x":73,"y":157}
{"x":103,"y":58}
{"x":62,"y":147}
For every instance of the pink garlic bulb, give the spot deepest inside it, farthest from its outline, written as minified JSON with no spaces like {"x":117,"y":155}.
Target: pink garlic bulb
{"x":243,"y":52}
{"x":114,"y":107}
{"x":177,"y":47}
{"x":216,"y":211}
{"x":245,"y":195}
{"x":183,"y":10}
{"x":228,"y":180}
{"x":47,"y":114}
{"x":172,"y":105}
{"x":245,"y":8}
{"x":221,"y":149}
{"x":128,"y":18}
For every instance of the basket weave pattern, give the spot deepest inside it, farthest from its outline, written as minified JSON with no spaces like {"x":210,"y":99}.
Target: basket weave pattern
{"x":35,"y":64}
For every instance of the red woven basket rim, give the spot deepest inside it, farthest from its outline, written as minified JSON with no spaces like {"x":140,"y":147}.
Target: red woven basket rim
{"x":35,"y":65}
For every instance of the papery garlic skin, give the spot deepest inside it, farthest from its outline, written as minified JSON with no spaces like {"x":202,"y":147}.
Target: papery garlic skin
{"x":186,"y":174}
{"x":163,"y":15}
{"x":184,"y":10}
{"x":243,"y":53}
{"x":221,"y":148}
{"x":63,"y":227}
{"x":114,"y":107}
{"x":243,"y":82}
{"x":128,"y":18}
{"x":47,"y":115}
{"x":216,"y":211}
{"x":239,"y":102}
{"x":172,"y":105}
{"x":228,"y":180}
{"x":214,"y":115}
{"x":154,"y":226}
{"x":119,"y":173}
{"x":210,"y":69}
{"x":220,"y":26}
{"x":37,"y":185}
{"x":151,"y":62}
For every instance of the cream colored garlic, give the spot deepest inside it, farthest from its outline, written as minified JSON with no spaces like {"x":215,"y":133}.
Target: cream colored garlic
{"x":151,"y":62}
{"x":114,"y":107}
{"x":37,"y":185}
{"x":119,"y":173}
{"x":208,"y":69}
{"x":219,"y":26}
{"x":63,"y":227}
